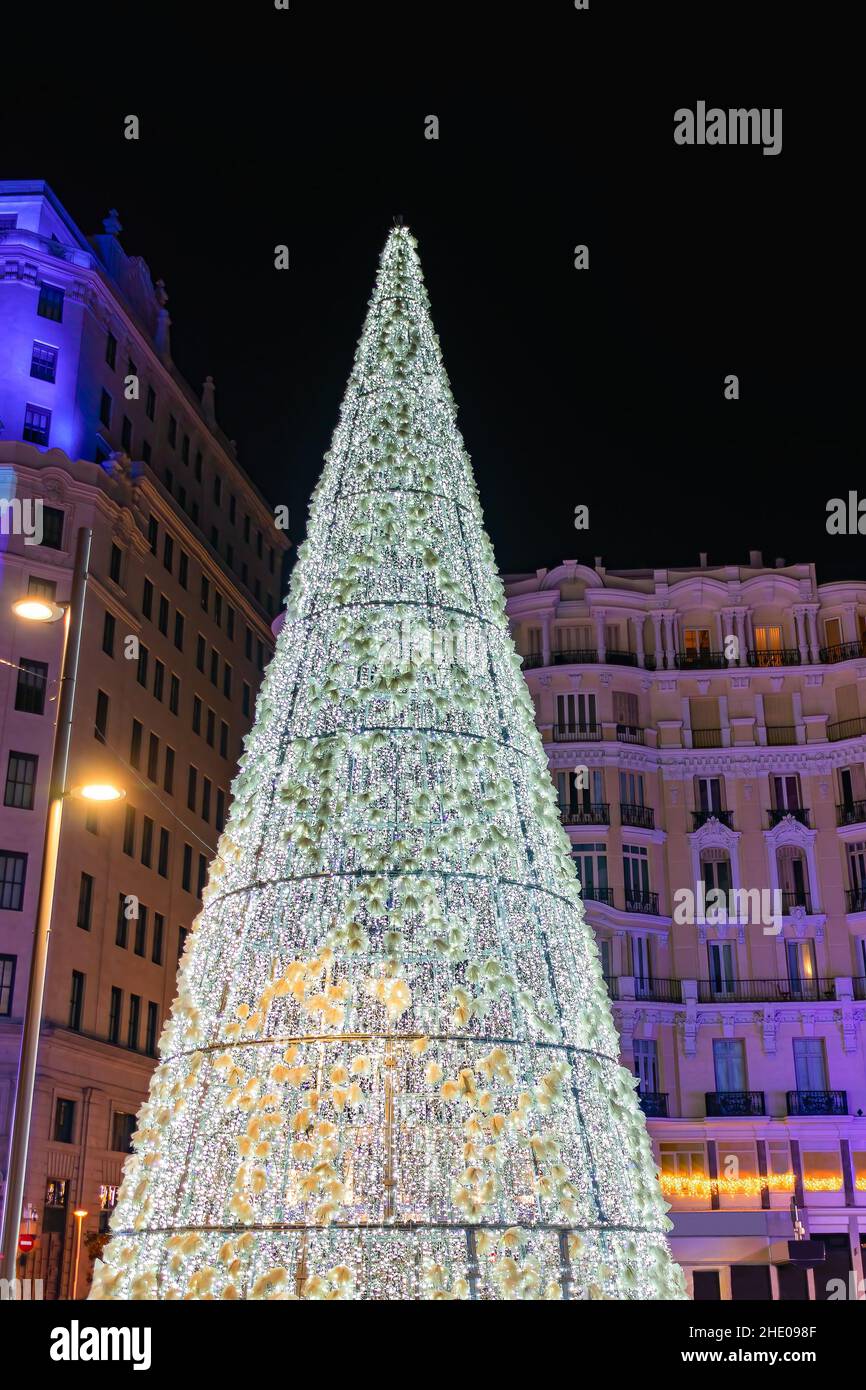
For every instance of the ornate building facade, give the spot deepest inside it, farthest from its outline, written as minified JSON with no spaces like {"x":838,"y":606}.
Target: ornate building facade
{"x":706,"y":731}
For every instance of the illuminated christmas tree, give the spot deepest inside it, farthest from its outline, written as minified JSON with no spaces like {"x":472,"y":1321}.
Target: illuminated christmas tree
{"x":391,"y":1069}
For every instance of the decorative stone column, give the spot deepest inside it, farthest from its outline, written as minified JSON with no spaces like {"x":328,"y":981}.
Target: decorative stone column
{"x":740,"y":620}
{"x":638,"y":638}
{"x":545,"y":639}
{"x":659,"y":643}
{"x":802,"y":639}
{"x":600,"y":642}
{"x":811,"y":618}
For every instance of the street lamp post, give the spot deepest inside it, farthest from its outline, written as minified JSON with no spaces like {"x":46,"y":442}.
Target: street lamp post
{"x":79,"y":1215}
{"x":72,"y":626}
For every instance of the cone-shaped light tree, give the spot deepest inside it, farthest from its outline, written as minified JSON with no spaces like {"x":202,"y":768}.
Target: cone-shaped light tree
{"x":391,"y":1069}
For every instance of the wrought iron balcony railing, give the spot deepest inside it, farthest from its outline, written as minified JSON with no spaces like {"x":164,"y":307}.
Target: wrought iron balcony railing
{"x":785,"y":656}
{"x":856,"y":898}
{"x":630,"y":733}
{"x":780,"y":735}
{"x":637,"y":817}
{"x":706,"y":738}
{"x":612,"y":985}
{"x":654,"y":1104}
{"x":847,"y":728}
{"x":615,"y":658}
{"x":576,"y":733}
{"x":532,"y":659}
{"x":859,"y":983}
{"x":778,"y":813}
{"x":596,"y":813}
{"x":851,"y":813}
{"x":735,"y":1104}
{"x":574,"y":656}
{"x":659,"y":991}
{"x":796,"y":897}
{"x":647,"y":903}
{"x":765,"y":991}
{"x":817,"y":1102}
{"x":595,"y":894}
{"x":841,"y":651}
{"x":700,"y":661}
{"x":700,"y":818}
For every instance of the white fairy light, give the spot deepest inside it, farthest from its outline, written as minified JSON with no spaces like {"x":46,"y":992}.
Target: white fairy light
{"x":391,"y":1069}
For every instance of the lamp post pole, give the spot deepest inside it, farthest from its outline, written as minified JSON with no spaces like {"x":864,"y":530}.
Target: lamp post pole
{"x":20,"y":1135}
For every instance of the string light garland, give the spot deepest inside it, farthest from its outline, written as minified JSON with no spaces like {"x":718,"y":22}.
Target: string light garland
{"x":391,"y":1069}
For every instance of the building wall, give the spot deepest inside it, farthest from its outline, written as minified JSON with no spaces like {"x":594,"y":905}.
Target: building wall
{"x":634,"y":675}
{"x":226,"y":592}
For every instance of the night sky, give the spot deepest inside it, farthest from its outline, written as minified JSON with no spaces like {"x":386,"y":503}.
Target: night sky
{"x":602,"y":387}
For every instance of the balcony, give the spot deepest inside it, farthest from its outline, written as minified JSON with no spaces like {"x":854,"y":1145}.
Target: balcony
{"x":637,"y":817}
{"x":612,"y":986}
{"x":700,"y":818}
{"x":775,"y":814}
{"x":842,"y":651}
{"x":574,"y":656}
{"x":847,"y":728}
{"x":706,"y":738}
{"x":767,"y":991}
{"x":796,"y":897}
{"x":700,"y":661}
{"x":576,"y":733}
{"x":646,"y":903}
{"x":817,"y":1102}
{"x":654,"y":1104}
{"x":856,"y":898}
{"x":596,"y":813}
{"x":630,"y":733}
{"x":785,"y":656}
{"x":532,"y":659}
{"x":597,"y":895}
{"x":859,"y":983}
{"x":659,"y":991}
{"x":615,"y":658}
{"x":780,"y":735}
{"x":851,"y":813}
{"x":733,"y":1105}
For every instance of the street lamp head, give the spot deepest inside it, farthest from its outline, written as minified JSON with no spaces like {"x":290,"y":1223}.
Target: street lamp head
{"x":37,"y":610}
{"x":79,"y":1212}
{"x":99,"y":791}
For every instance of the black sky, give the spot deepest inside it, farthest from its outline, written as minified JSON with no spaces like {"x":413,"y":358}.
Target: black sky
{"x":602,"y":387}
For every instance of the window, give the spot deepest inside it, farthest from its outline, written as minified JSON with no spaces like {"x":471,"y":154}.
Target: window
{"x":785,"y":792}
{"x":590,"y":860}
{"x":158,"y":680}
{"x":146,"y":841}
{"x":134,"y":1020}
{"x":145,"y":450}
{"x":162,"y":621}
{"x":205,"y":799}
{"x":50,"y":304}
{"x":143,"y":657}
{"x":168,"y":772}
{"x":135,"y":744}
{"x":152,"y":1029}
{"x":43,"y":362}
{"x":220,"y":819}
{"x":646,"y":1065}
{"x":13,"y":872}
{"x":218,"y":608}
{"x":248,"y":647}
{"x":178,"y":631}
{"x":186,"y":874}
{"x":56,"y":1192}
{"x":162,"y":857}
{"x":140,"y":944}
{"x":214,"y":666}
{"x":76,"y":1001}
{"x":246,"y":528}
{"x":85,"y":902}
{"x":191,"y":784}
{"x":217,"y":488}
{"x":810,"y":1064}
{"x":723,"y":975}
{"x":193,"y":511}
{"x":37,"y":424}
{"x":183,"y":569}
{"x":210,"y":728}
{"x":729,"y":1063}
{"x":174,"y":694}
{"x":230,"y":622}
{"x":100,"y":723}
{"x":114,"y":563}
{"x":199,"y":653}
{"x":7,"y":984}
{"x":215,"y":538}
{"x":182,"y":934}
{"x":233,"y":507}
{"x":709,"y":794}
{"x":21,"y":781}
{"x":636,"y":873}
{"x":44,"y":588}
{"x":196,"y":715}
{"x":122,"y":925}
{"x":168,"y":553}
{"x":147,"y":599}
{"x":224,"y":739}
{"x":111,"y":350}
{"x":52,"y":527}
{"x":105,"y":404}
{"x":184,"y":452}
{"x":64,"y":1120}
{"x":716,"y":871}
{"x":202,"y":875}
{"x":122,"y":1130}
{"x":129,"y":830}
{"x":115,"y":1009}
{"x":30,"y":689}
{"x":800,"y":959}
{"x":152,"y":534}
{"x":246,"y":701}
{"x":153,"y":758}
{"x":260,"y":656}
{"x":172,"y":431}
{"x":227,"y":681}
{"x":126,"y":434}
{"x":197,"y":466}
{"x":205,"y":592}
{"x":631,"y":788}
{"x":158,"y":938}
{"x":150,"y":403}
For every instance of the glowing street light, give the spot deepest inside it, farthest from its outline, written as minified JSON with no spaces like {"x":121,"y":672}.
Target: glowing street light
{"x":40,"y":610}
{"x":79,"y":1215}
